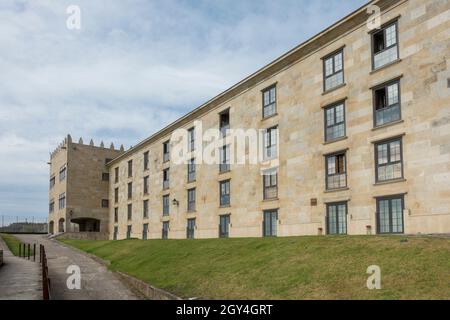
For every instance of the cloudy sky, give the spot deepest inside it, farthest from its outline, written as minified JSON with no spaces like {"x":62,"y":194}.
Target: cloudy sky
{"x":132,"y":68}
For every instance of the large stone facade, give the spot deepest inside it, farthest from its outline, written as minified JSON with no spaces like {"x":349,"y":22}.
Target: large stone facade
{"x":416,"y":201}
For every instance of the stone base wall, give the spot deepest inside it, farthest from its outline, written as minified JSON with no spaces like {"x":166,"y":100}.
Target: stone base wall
{"x":86,"y":235}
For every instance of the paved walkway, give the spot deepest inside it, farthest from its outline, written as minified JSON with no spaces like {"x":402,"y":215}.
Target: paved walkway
{"x":20,"y":279}
{"x":97,"y":282}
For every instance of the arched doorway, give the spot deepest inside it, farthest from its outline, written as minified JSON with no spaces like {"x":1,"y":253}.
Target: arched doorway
{"x":61,"y":225}
{"x":51,"y":227}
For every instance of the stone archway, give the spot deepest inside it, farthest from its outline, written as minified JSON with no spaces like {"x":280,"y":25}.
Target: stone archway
{"x":51,"y":227}
{"x":61,"y":225}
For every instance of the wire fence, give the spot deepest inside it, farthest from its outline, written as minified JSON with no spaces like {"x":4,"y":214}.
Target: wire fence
{"x":23,"y":224}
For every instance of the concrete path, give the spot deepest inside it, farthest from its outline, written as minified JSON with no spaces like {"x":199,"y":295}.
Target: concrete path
{"x":20,"y":279}
{"x":97,"y":282}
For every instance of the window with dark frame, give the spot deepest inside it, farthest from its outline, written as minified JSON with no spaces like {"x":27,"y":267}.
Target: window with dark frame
{"x":224,"y":226}
{"x":129,"y":211}
{"x":190,"y":229}
{"x":335,"y":122}
{"x":270,"y":184}
{"x":116,"y":195}
{"x":389,"y":160}
{"x":165,"y":230}
{"x":116,"y":215}
{"x":146,"y":160}
{"x":145,"y":231}
{"x":51,"y":206}
{"x":224,"y":193}
{"x":336,"y":218}
{"x":145,"y":209}
{"x":270,"y":138}
{"x":385,"y":46}
{"x":191,"y":199}
{"x":62,"y":173}
{"x":166,"y":151}
{"x":62,"y":201}
{"x":105,"y":176}
{"x":105,"y":203}
{"x":166,"y":183}
{"x":336,"y":171}
{"x":52,"y":182}
{"x":387,"y":103}
{"x":224,"y":122}
{"x":270,"y":223}
{"x":166,"y":205}
{"x":224,"y":156}
{"x":146,"y":185}
{"x":191,"y":170}
{"x":269,"y":101}
{"x":128,"y":232}
{"x":116,"y":232}
{"x":116,"y":175}
{"x":130,"y":168}
{"x":191,"y":139}
{"x":390,"y":218}
{"x":130,"y":190}
{"x":333,"y":70}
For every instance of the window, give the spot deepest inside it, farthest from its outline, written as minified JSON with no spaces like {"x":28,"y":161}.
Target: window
{"x":166,"y":205}
{"x":337,"y":218}
{"x":270,"y":184}
{"x":335,"y":122}
{"x":390,"y":214}
{"x":191,"y":199}
{"x":62,"y":173}
{"x":224,"y":124}
{"x":62,"y":201}
{"x":165,"y":230}
{"x":225,"y":193}
{"x":51,"y":206}
{"x":269,"y":101}
{"x":130,"y":190}
{"x":145,"y":206}
{"x":270,"y":223}
{"x":105,"y":176}
{"x":387,"y":103}
{"x":146,"y":185}
{"x":333,"y":70}
{"x":190,"y":230}
{"x":116,"y":232}
{"x":116,"y":195}
{"x":146,"y":160}
{"x":224,"y":165}
{"x":166,"y":151}
{"x":129,"y":212}
{"x":116,"y":174}
{"x":130,"y":168}
{"x":144,"y":231}
{"x":336,"y":171}
{"x":191,"y":170}
{"x":388,"y":157}
{"x":270,"y":143}
{"x":128,"y":232}
{"x":105,"y":203}
{"x":224,"y":226}
{"x":384,"y":46}
{"x":52,"y":182}
{"x":191,"y":139}
{"x":166,"y":184}
{"x":116,"y":215}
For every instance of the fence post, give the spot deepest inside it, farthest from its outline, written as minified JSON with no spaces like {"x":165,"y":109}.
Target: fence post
{"x":34,"y":252}
{"x":20,"y":250}
{"x":29,"y":247}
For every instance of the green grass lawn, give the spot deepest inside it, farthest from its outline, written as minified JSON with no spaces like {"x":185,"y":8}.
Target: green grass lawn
{"x":285,"y":268}
{"x":12,"y":243}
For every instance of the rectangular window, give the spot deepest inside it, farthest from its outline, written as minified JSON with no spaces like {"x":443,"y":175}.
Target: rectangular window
{"x":130,"y":190}
{"x":145,"y":206}
{"x":62,"y":173}
{"x":390,"y":214}
{"x":191,"y":139}
{"x":191,"y":170}
{"x":130,"y":168}
{"x":333,"y":70}
{"x":335,"y":122}
{"x":224,"y":124}
{"x":51,"y":206}
{"x":225,"y":193}
{"x":270,"y":223}
{"x":116,"y":175}
{"x":62,"y":201}
{"x":166,"y":205}
{"x":105,"y":176}
{"x":166,"y":183}
{"x":190,"y":230}
{"x":129,"y":212}
{"x":166,"y":151}
{"x":269,"y":101}
{"x":116,"y":215}
{"x":191,"y":199}
{"x":146,"y":185}
{"x":337,"y":218}
{"x":224,"y":226}
{"x":116,"y":232}
{"x":52,"y":182}
{"x":165,"y":230}
{"x":116,"y":195}
{"x":384,"y":46}
{"x":270,"y":143}
{"x":270,"y":184}
{"x":128,"y":232}
{"x":224,"y":165}
{"x":105,"y":203}
{"x":336,"y":171}
{"x":146,"y":160}
{"x":387,"y":103}
{"x":145,"y":231}
{"x":389,"y":160}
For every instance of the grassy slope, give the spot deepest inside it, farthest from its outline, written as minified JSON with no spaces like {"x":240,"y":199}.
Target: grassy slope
{"x":12,"y":243}
{"x":284,"y":268}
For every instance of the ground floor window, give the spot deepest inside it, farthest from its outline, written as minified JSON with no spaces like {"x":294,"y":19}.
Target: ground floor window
{"x":224,"y":226}
{"x":128,"y":232}
{"x":390,"y":214}
{"x":116,"y":231}
{"x":145,"y":231}
{"x":165,"y":230}
{"x":337,"y":218}
{"x":190,"y":230}
{"x":270,"y":223}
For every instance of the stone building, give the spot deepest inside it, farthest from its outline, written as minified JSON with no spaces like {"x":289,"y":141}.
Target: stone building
{"x":354,"y":130}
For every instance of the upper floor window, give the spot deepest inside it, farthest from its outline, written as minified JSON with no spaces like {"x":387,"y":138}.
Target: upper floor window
{"x":130,"y":190}
{"x":224,"y":165}
{"x":129,"y":211}
{"x":270,"y":184}
{"x":145,"y":209}
{"x":336,"y":171}
{"x":116,"y":174}
{"x":335,"y":122}
{"x":389,"y":160}
{"x":166,"y":184}
{"x":166,"y":151}
{"x":191,"y":199}
{"x":105,"y":203}
{"x":387,"y":103}
{"x":225,"y":193}
{"x":62,"y":201}
{"x":52,"y":182}
{"x":166,"y":205}
{"x":191,"y":139}
{"x":130,"y":168}
{"x":62,"y":173}
{"x":191,"y":170}
{"x":146,"y":160}
{"x":51,"y":207}
{"x":146,"y":185}
{"x":333,"y":70}
{"x":270,"y":143}
{"x":224,"y":125}
{"x":105,"y":176}
{"x":269,"y":101}
{"x":116,"y":215}
{"x":385,"y":46}
{"x":116,"y":195}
